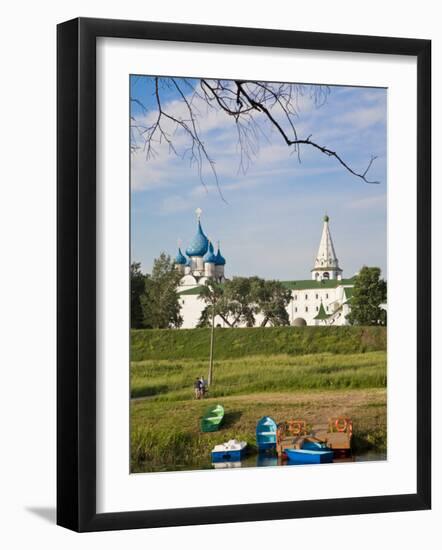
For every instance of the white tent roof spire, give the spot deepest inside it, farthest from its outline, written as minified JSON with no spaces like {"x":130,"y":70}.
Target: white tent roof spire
{"x":326,"y":257}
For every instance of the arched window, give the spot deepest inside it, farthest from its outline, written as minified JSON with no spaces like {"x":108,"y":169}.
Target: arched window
{"x":326,"y":275}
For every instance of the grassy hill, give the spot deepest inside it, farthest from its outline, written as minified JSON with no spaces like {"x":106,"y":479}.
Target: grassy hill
{"x":242,"y":342}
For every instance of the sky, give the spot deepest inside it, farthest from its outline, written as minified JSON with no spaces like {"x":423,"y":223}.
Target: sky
{"x":270,"y":214}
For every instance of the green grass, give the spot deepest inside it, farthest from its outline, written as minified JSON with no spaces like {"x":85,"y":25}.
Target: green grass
{"x":244,"y":342}
{"x":165,"y":433}
{"x":173,"y":380}
{"x":166,"y":436}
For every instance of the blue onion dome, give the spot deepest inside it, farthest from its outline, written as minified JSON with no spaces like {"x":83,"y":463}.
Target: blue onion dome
{"x":180,"y":259}
{"x":220,"y":260}
{"x":210,"y":257}
{"x":200,"y":243}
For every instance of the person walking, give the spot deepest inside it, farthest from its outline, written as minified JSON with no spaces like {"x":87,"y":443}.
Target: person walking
{"x":197,"y":388}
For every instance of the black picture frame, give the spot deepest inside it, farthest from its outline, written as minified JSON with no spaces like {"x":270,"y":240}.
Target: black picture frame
{"x":76,"y":274}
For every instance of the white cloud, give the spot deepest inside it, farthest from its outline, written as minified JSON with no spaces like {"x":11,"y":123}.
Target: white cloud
{"x":361,"y":119}
{"x":222,"y":146}
{"x":367,"y":202}
{"x":175,"y":203}
{"x":272,"y":222}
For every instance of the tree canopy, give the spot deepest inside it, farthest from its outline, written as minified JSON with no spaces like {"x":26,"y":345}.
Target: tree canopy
{"x":272,"y":298}
{"x":232,"y":301}
{"x":239,"y":300}
{"x":137,"y":282}
{"x":154,"y":297}
{"x":369,"y":292}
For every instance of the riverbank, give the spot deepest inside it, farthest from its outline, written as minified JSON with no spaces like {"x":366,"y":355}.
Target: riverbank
{"x":165,"y":432}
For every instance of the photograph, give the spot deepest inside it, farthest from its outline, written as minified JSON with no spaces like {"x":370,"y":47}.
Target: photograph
{"x":258,"y":292}
{"x":225,"y":215}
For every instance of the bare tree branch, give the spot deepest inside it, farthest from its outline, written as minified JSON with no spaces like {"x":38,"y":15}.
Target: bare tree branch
{"x":249,"y":103}
{"x":261,"y":107}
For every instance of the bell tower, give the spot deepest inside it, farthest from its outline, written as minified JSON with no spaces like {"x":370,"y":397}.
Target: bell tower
{"x":326,"y":263}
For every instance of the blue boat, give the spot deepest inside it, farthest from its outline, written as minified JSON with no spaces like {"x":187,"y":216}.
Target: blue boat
{"x":232,"y":451}
{"x":306,"y":456}
{"x":266,"y":434}
{"x":310,"y":445}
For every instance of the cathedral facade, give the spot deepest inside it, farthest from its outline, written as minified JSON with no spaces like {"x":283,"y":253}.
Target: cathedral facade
{"x":323,"y":299}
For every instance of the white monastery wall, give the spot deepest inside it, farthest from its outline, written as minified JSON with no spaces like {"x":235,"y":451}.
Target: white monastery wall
{"x":202,"y":263}
{"x":304,"y":304}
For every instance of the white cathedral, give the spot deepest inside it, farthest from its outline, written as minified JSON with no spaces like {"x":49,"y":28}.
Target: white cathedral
{"x":324,"y":299}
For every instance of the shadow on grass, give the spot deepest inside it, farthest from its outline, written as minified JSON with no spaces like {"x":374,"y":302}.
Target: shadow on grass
{"x":149,"y":391}
{"x":230,"y":418}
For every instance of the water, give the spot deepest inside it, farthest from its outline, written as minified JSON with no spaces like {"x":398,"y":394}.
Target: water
{"x":257,"y":460}
{"x":269,"y":460}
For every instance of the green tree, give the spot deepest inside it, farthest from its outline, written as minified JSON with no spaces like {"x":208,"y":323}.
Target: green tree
{"x":239,"y":294}
{"x":239,"y":301}
{"x":272,"y":299}
{"x":232,"y":300}
{"x":160,"y":300}
{"x":137,"y":281}
{"x":369,"y":292}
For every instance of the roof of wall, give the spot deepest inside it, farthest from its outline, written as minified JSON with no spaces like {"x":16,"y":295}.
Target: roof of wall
{"x":292,"y":285}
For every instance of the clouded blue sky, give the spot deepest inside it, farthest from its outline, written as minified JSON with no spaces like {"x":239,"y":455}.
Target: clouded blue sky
{"x":271,"y":220}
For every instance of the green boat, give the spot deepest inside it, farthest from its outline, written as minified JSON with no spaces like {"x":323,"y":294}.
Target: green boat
{"x":212,"y":418}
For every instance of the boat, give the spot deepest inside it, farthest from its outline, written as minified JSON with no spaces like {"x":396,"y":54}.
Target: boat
{"x":312,"y":445}
{"x":306,"y":456}
{"x":336,"y":436}
{"x":266,"y":434}
{"x":212,"y":418}
{"x":232,"y":450}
